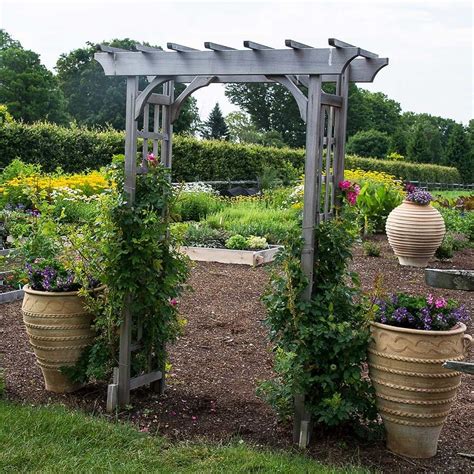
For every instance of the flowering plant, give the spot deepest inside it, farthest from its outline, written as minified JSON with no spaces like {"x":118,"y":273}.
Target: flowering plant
{"x":350,"y":191}
{"x":417,"y":312}
{"x":48,"y":275}
{"x":417,"y":195}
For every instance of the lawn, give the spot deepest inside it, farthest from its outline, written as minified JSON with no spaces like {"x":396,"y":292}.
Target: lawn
{"x":53,"y":439}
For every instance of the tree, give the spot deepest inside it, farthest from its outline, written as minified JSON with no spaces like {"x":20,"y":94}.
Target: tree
{"x":96,"y":99}
{"x":459,"y":154}
{"x":215,"y":126}
{"x":424,"y":143}
{"x":27,"y":88}
{"x":371,"y":143}
{"x":398,"y":141}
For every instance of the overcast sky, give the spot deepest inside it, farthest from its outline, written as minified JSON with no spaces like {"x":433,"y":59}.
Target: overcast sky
{"x":429,"y":43}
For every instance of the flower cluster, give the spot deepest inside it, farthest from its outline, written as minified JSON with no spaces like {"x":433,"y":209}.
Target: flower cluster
{"x":48,"y":275}
{"x":417,"y":195}
{"x":350,"y":191}
{"x":414,"y":312}
{"x":196,"y":187}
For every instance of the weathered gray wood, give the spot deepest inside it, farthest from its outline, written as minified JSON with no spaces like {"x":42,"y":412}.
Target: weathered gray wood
{"x":296,"y":44}
{"x":147,"y":49}
{"x":145,"y":379}
{"x":328,"y":177}
{"x":217,"y":47}
{"x":255,"y":46}
{"x":112,"y":397}
{"x":300,"y":98}
{"x":331,"y":99}
{"x":240,"y":62}
{"x":152,"y":135}
{"x":342,"y":90}
{"x":180,"y":48}
{"x":450,"y":279}
{"x":319,"y":163}
{"x":466,"y":367}
{"x":158,"y":99}
{"x":156,"y":127}
{"x":110,"y":49}
{"x":198,"y":83}
{"x":310,"y":209}
{"x":167,"y":126}
{"x":145,"y":134}
{"x":10,"y":296}
{"x":145,"y":94}
{"x":342,"y":44}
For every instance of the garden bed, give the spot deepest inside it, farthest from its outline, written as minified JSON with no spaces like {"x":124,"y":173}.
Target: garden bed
{"x":224,"y":353}
{"x":238,"y":257}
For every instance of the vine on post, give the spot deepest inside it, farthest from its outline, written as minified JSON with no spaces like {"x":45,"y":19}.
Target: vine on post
{"x":321,"y":345}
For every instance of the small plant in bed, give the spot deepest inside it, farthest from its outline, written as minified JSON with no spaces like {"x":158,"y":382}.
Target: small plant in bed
{"x":371,"y":249}
{"x":239,"y":242}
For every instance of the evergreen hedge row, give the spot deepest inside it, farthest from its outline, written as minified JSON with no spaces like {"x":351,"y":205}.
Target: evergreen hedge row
{"x":76,"y":149}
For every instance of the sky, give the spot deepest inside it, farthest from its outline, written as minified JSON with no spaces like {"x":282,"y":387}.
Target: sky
{"x":429,"y":43}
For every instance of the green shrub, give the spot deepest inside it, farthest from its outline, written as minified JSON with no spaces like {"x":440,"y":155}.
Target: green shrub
{"x":196,"y":206}
{"x":446,"y":249}
{"x":459,"y":222}
{"x":76,"y":149}
{"x":371,"y":249}
{"x":236,"y":242}
{"x":257,"y":243}
{"x":370,"y":143}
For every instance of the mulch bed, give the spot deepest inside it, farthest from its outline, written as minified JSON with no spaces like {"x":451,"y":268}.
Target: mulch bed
{"x":224,"y":353}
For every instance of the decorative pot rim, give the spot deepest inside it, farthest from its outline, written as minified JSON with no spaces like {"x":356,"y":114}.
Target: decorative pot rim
{"x":458,"y":329}
{"x":30,"y":291}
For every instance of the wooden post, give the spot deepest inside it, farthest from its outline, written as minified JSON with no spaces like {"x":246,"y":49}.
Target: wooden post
{"x":342,"y":89}
{"x":129,"y":188}
{"x":312,"y":191}
{"x":167,"y":127}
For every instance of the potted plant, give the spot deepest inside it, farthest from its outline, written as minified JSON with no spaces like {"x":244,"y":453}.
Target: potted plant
{"x":415,"y":229}
{"x":57,"y":319}
{"x":412,"y":337}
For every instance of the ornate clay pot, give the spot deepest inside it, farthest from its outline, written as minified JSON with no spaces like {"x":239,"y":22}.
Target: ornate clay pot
{"x":59,"y":328}
{"x":414,"y":392}
{"x":414,"y":232}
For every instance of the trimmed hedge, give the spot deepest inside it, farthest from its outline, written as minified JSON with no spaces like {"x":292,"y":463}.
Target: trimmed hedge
{"x":76,"y":149}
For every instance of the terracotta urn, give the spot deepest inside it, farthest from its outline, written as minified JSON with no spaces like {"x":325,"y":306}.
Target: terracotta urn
{"x":59,"y":329}
{"x":414,"y":392}
{"x":414,"y":232}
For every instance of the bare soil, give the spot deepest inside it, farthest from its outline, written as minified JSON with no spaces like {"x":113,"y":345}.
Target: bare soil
{"x":224,"y":353}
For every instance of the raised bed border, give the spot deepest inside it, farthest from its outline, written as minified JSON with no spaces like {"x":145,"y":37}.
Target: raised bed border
{"x":10,"y":296}
{"x":238,"y":257}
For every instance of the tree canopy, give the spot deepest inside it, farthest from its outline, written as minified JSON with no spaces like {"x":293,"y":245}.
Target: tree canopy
{"x":215,"y":127}
{"x":96,"y":99}
{"x":27,"y":88}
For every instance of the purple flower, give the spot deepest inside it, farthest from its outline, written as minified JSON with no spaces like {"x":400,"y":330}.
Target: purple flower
{"x":460,"y":314}
{"x":401,"y":314}
{"x":426,"y":318}
{"x":419,"y":197}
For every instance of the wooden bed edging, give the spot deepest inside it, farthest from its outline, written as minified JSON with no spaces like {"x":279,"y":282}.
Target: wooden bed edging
{"x":239,"y":257}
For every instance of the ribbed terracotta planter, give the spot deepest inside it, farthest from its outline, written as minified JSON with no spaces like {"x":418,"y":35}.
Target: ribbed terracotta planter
{"x":414,"y":232}
{"x":58,"y":328}
{"x":414,"y":392}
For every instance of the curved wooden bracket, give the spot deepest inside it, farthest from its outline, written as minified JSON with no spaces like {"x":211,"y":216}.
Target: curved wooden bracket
{"x":365,"y":70}
{"x":142,"y":99}
{"x":197,"y":83}
{"x":300,"y":98}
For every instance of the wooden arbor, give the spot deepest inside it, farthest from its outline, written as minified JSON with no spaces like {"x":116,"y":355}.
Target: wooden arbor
{"x":325,"y":116}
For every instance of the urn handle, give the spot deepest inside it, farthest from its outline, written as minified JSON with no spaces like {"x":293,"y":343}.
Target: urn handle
{"x":467,"y":342}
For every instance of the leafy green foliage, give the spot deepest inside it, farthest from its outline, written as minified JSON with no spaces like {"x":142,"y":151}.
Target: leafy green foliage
{"x":325,"y":340}
{"x":369,"y":143}
{"x":215,"y":127}
{"x":27,"y":88}
{"x":202,"y":235}
{"x":236,"y":242}
{"x":458,"y":222}
{"x":196,"y":206}
{"x":424,"y":145}
{"x":95,"y":99}
{"x":371,"y":249}
{"x":76,"y":149}
{"x":459,"y":153}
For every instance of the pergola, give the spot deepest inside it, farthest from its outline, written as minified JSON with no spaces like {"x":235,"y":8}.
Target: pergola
{"x":325,"y":116}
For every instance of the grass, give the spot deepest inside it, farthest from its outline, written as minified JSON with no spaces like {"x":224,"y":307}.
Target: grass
{"x":52,"y":439}
{"x":451,"y":194}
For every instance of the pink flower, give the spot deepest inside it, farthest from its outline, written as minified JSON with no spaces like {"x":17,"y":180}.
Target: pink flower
{"x":352,"y":197}
{"x":430,"y":299}
{"x":151,"y":158}
{"x":440,"y":303}
{"x":194,"y":418}
{"x":344,"y":184}
{"x":173,"y":302}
